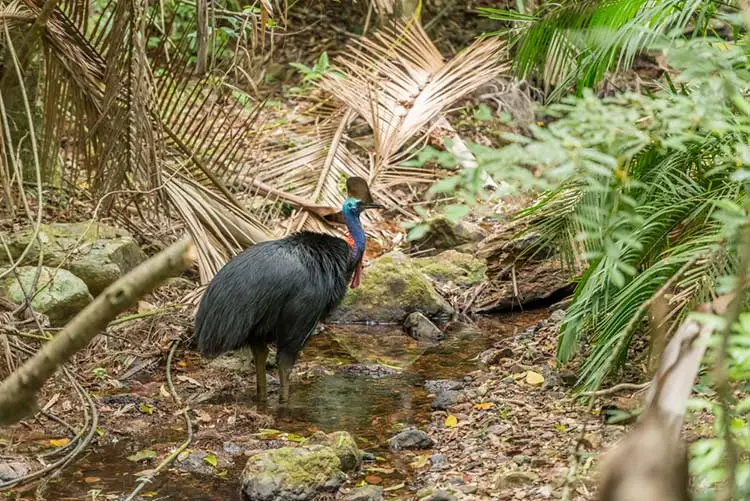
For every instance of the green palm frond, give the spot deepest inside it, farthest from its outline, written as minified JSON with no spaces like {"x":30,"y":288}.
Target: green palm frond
{"x":576,"y":43}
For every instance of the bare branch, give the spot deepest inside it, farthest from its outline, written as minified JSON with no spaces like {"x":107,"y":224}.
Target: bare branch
{"x":18,"y":391}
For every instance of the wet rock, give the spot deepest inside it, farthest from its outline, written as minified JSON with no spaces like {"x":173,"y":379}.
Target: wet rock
{"x":292,"y":474}
{"x":420,"y":328}
{"x":392,"y":287}
{"x":343,"y":445}
{"x":441,"y":495}
{"x":557,"y":316}
{"x":374,"y":371}
{"x":233,"y":449}
{"x":440,"y":385}
{"x":494,"y":355}
{"x":199,"y":462}
{"x":369,"y":456}
{"x":438,"y":462}
{"x":60,"y":295}
{"x":459,"y":268}
{"x":11,"y":470}
{"x":96,"y":253}
{"x":444,"y":399}
{"x":366,"y":493}
{"x":411,"y":439}
{"x":444,"y":234}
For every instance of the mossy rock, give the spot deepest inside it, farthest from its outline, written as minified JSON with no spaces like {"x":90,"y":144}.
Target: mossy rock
{"x":60,"y":295}
{"x":96,"y":253}
{"x":343,"y":444}
{"x":391,"y":288}
{"x":292,"y":474}
{"x":460,"y":268}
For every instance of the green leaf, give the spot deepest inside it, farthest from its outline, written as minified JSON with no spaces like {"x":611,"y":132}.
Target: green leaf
{"x":211,"y":460}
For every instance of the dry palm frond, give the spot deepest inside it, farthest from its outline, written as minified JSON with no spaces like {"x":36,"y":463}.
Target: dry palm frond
{"x":399,"y":83}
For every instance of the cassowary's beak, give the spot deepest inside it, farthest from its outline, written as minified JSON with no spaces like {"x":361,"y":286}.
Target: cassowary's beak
{"x":371,"y":205}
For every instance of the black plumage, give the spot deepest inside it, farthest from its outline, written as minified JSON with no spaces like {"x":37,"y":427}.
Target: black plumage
{"x":277,"y":292}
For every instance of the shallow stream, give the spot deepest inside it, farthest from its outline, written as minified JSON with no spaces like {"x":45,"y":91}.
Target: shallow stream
{"x":336,"y":387}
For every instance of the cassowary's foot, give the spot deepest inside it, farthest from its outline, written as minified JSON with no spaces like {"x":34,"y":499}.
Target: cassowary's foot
{"x":260,"y":354}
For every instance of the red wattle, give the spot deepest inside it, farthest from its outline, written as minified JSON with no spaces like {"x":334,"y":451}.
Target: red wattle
{"x":357,"y":276}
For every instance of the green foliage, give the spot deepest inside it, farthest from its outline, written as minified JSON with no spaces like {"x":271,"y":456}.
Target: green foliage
{"x":708,"y":455}
{"x":634,"y":185}
{"x":321,"y":68}
{"x":575,"y":43}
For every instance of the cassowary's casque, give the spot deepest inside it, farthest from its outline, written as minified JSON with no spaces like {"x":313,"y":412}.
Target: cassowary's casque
{"x":278,"y":291}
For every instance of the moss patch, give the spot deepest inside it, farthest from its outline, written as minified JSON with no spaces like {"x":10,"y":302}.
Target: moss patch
{"x":453,"y":266}
{"x":392,"y":287}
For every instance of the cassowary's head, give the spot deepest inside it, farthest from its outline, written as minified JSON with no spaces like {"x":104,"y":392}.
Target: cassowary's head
{"x":359,"y":197}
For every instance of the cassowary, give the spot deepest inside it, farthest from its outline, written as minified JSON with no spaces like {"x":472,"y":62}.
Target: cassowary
{"x":278,"y":291}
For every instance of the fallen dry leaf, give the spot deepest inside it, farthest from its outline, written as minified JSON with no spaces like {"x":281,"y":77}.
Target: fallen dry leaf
{"x":534,"y":378}
{"x":484,"y":406}
{"x":373,"y":479}
{"x":451,"y":421}
{"x":59,"y":442}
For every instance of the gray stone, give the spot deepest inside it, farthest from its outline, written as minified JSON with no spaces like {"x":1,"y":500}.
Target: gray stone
{"x":292,"y":474}
{"x":421,"y":328}
{"x":439,"y":385}
{"x":366,"y":493}
{"x":195,"y":462}
{"x":11,"y":470}
{"x":444,"y":399}
{"x":391,"y":288}
{"x":438,"y":462}
{"x":411,"y":439}
{"x":557,"y":316}
{"x":96,"y":253}
{"x":516,"y":479}
{"x":444,"y":235}
{"x":60,"y":295}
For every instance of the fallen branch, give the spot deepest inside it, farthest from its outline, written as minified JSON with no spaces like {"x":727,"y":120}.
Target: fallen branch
{"x":616,"y":388}
{"x":18,"y":393}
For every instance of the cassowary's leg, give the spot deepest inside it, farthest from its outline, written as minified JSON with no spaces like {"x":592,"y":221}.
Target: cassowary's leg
{"x":285,"y":362}
{"x":260,"y":353}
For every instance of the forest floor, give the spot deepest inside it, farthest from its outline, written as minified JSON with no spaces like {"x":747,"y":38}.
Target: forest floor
{"x":510,"y":434}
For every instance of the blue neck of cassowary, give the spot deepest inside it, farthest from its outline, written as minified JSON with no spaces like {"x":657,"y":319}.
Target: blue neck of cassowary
{"x":358,"y":234}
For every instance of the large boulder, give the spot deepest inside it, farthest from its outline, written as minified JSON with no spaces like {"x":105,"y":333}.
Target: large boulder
{"x":292,"y":474}
{"x":460,"y":268}
{"x":392,"y":287}
{"x":97,"y":253}
{"x":59,"y":295}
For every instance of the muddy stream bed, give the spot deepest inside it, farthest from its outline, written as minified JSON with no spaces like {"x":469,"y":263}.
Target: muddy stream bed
{"x":367,"y":380}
